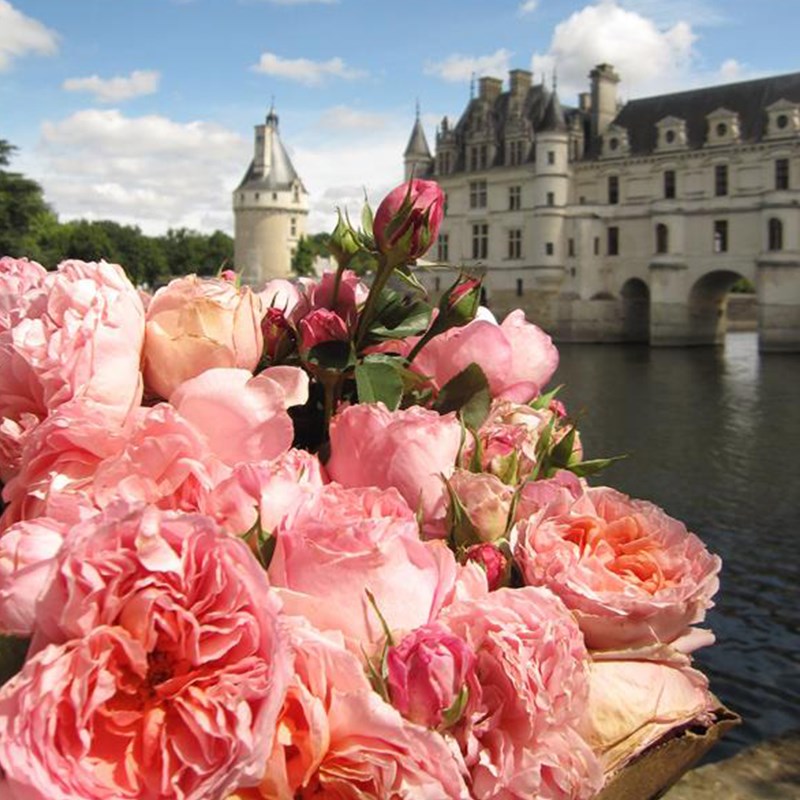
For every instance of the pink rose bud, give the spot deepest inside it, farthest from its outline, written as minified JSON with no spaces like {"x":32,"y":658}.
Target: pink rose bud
{"x":278,"y":334}
{"x":229,"y":275}
{"x":486,"y":502}
{"x":322,"y":325}
{"x":430,"y":674}
{"x":407,"y":221}
{"x":493,"y":561}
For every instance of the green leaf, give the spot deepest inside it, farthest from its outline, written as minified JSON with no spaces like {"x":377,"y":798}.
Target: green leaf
{"x":12,"y":656}
{"x":379,"y":382}
{"x":453,"y":714}
{"x":543,"y":400}
{"x":468,"y":394}
{"x":585,"y":469}
{"x":367,"y":219}
{"x":336,"y":356}
{"x":560,"y":456}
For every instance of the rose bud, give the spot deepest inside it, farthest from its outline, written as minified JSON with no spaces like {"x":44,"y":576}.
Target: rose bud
{"x":322,"y":325}
{"x":407,"y":221}
{"x":484,"y":504}
{"x":430,"y":675}
{"x":494,"y":562}
{"x":278,"y":334}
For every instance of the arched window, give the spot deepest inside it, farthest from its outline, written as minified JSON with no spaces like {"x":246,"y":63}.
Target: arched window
{"x":775,"y":234}
{"x":662,"y":238}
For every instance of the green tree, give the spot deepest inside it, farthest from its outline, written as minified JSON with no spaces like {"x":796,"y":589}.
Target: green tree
{"x":303,"y":257}
{"x":22,"y":207}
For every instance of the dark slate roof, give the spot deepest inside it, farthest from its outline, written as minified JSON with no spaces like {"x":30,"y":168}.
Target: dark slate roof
{"x":553,"y":119}
{"x":748,"y":99}
{"x":418,"y":144}
{"x":280,"y":174}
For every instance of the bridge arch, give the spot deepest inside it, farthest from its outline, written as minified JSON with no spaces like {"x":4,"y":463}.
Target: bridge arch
{"x":635,"y":295}
{"x":707,"y":302}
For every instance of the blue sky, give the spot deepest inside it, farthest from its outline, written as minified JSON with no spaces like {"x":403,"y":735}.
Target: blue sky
{"x":142,"y":111}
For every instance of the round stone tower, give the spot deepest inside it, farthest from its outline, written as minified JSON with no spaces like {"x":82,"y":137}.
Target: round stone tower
{"x":270,"y":208}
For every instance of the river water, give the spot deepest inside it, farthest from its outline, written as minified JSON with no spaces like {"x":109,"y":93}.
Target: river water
{"x":713,"y":436}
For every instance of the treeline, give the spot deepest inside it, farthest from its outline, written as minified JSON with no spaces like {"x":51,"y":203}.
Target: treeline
{"x":29,"y":227}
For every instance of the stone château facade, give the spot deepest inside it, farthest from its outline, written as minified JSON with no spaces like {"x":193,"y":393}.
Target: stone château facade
{"x":270,"y":208}
{"x":612,"y":222}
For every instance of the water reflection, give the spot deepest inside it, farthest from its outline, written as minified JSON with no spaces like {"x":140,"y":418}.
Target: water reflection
{"x":713,"y":435}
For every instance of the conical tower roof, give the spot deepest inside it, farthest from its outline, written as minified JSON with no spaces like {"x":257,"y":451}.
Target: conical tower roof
{"x":553,"y":119}
{"x":417,"y":144}
{"x":279,"y":173}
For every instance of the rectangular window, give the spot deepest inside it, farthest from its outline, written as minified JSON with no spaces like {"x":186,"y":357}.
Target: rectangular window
{"x":443,"y":247}
{"x":782,"y":173}
{"x":720,"y":236}
{"x":721,"y":180}
{"x":613,"y":241}
{"x":669,"y":184}
{"x":516,"y":152}
{"x":551,"y":157}
{"x":549,"y":249}
{"x":480,"y":240}
{"x":292,"y":227}
{"x":613,"y":189}
{"x":514,"y":198}
{"x":515,"y":243}
{"x":571,"y":247}
{"x":444,"y":163}
{"x":519,"y":287}
{"x":477,"y":194}
{"x":597,"y":245}
{"x":477,"y":157}
{"x":551,"y":198}
{"x":437,"y":284}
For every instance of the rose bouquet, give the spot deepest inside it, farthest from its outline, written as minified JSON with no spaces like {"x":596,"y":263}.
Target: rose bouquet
{"x":319,"y":539}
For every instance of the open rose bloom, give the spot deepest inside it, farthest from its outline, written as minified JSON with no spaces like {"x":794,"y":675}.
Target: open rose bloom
{"x":320,"y":539}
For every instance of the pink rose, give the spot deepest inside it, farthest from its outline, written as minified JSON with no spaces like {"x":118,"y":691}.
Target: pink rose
{"x":339,"y":739}
{"x":27,"y":550}
{"x":341,"y":543}
{"x":350,"y":296}
{"x":517,"y":358}
{"x":431,"y":674}
{"x":486,"y":502}
{"x":632,"y":575}
{"x":288,"y":297}
{"x":519,"y":736}
{"x":632,"y":704}
{"x":408,"y":219}
{"x":166,"y":669}
{"x":83,"y":339}
{"x":408,"y":449}
{"x":194,"y":324}
{"x":493,"y":561}
{"x":241,"y":417}
{"x":557,"y":494}
{"x":320,"y":326}
{"x":265,"y":492}
{"x":21,"y":285}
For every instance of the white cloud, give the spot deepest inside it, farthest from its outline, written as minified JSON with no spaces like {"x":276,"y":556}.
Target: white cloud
{"x":21,"y":35}
{"x":303,"y":70}
{"x":113,"y":90}
{"x":528,"y":6}
{"x":457,"y":68}
{"x":649,"y":59}
{"x":149,"y":171}
{"x":344,"y":118}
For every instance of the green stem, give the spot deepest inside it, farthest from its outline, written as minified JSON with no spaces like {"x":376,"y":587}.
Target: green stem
{"x":385,"y":270}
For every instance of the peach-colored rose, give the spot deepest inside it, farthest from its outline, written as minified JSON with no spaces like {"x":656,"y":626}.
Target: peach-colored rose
{"x":194,"y":324}
{"x":337,"y":738}
{"x":158,"y":667}
{"x":341,"y":543}
{"x":409,"y":450}
{"x":633,"y":703}
{"x":632,"y":575}
{"x":519,"y":735}
{"x":27,"y":550}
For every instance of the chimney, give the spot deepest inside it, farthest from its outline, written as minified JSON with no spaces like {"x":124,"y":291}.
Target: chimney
{"x":585,"y":101}
{"x":604,"y":98}
{"x":489,"y":88}
{"x":519,"y":81}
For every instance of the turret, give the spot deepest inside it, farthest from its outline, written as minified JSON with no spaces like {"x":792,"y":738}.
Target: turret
{"x":604,"y":98}
{"x":270,"y":207}
{"x":417,"y":157}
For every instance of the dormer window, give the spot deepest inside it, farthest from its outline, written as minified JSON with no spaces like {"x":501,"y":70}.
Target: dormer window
{"x":615,"y":142}
{"x":783,"y":119}
{"x":671,"y":134}
{"x":723,"y":127}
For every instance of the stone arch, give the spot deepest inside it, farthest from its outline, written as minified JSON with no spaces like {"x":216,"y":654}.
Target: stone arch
{"x":708,"y":302}
{"x":635,"y":311}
